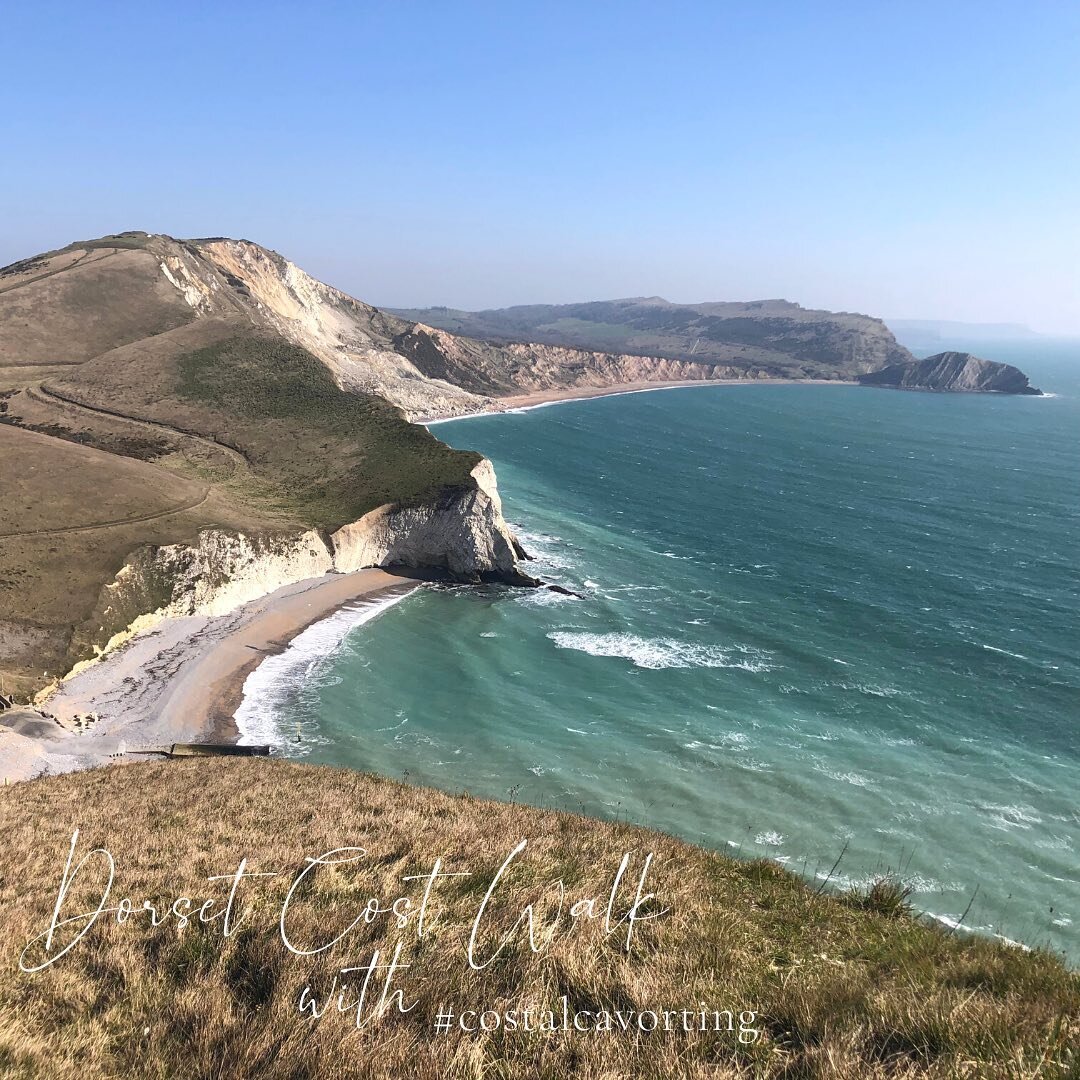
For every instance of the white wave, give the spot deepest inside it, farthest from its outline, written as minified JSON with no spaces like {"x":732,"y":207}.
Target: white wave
{"x":853,"y":778}
{"x":270,"y":685}
{"x":769,"y":839}
{"x":918,"y":883}
{"x":541,"y":598}
{"x":1012,"y":816}
{"x":549,"y":552}
{"x":1054,"y":843}
{"x":463,"y":416}
{"x":660,"y":653}
{"x":732,"y":738}
{"x":1004,"y":652}
{"x":870,"y":690}
{"x":953,"y":922}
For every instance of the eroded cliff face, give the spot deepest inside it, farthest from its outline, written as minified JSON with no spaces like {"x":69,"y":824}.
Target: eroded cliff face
{"x":496,"y":370}
{"x":776,"y":336}
{"x":954,"y":372}
{"x":461,"y":534}
{"x":354,"y":340}
{"x":426,"y":371}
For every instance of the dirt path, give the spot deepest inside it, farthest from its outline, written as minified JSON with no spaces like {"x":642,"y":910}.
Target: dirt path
{"x":54,"y":397}
{"x":51,"y":273}
{"x":140,"y":519}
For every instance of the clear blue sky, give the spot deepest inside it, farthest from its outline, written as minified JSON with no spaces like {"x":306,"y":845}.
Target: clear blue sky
{"x":906,"y":159}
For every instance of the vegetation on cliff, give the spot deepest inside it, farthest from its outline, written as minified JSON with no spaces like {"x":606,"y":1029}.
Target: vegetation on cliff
{"x":838,"y":987}
{"x":773,"y":337}
{"x":146,"y":395}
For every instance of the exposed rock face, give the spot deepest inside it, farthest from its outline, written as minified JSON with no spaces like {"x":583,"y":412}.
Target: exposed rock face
{"x":774,"y":337}
{"x":495,"y":370}
{"x":462,"y":534}
{"x":955,"y":372}
{"x":426,"y":371}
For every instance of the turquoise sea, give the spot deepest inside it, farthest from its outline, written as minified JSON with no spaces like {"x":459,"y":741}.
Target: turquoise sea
{"x":815,"y":620}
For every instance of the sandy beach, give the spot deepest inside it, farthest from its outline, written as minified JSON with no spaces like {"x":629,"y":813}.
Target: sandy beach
{"x":536,"y":398}
{"x":180,"y":681}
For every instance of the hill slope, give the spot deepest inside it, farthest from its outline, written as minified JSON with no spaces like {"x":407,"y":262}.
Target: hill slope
{"x":765,"y":337}
{"x":834,"y":988}
{"x":162,"y":396}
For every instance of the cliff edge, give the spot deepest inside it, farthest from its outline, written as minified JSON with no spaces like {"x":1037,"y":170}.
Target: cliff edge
{"x":187,"y":425}
{"x":953,"y":372}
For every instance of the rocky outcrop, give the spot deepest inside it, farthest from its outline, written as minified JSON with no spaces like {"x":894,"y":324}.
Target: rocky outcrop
{"x":956,"y":372}
{"x":461,"y":535}
{"x":497,"y":370}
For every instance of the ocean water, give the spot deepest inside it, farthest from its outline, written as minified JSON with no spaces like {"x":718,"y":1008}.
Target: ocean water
{"x":816,"y":620}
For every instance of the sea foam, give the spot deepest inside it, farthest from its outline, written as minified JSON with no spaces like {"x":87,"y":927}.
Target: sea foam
{"x":270,"y":685}
{"x":657,"y":653}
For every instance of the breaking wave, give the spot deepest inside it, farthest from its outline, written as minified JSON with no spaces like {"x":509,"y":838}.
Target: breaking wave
{"x":661,"y":653}
{"x":268,"y":689}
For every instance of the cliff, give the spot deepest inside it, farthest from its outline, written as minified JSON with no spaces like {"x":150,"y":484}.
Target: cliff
{"x":486,"y":368}
{"x":756,"y":339}
{"x":463,"y":535}
{"x":207,"y":404}
{"x":956,"y":372}
{"x":189,"y":424}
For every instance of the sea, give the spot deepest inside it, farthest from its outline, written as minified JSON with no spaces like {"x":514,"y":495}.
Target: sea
{"x":833,"y":626}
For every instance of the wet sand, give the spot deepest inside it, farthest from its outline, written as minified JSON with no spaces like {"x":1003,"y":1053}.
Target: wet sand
{"x":180,"y":681}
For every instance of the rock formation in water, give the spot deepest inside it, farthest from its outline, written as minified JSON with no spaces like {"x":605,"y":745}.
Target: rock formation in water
{"x":186,"y":424}
{"x":956,"y":372}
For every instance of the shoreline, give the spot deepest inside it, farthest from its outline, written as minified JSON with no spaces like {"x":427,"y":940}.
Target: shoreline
{"x":182,"y":680}
{"x":536,"y":399}
{"x":179,"y":681}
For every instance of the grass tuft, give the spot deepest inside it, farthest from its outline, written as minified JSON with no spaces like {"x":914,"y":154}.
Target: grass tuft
{"x":838,"y":988}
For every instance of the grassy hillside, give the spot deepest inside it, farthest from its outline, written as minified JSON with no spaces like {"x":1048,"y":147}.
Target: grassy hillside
{"x":132,"y":414}
{"x":839,"y":987}
{"x":780,"y":338}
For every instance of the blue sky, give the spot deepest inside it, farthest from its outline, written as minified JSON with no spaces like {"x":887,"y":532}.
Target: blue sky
{"x":910,"y":159}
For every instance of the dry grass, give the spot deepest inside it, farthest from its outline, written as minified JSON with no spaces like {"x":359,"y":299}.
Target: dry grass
{"x":840,"y":988}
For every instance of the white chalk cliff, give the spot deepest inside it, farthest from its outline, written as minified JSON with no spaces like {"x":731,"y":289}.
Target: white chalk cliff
{"x":463,"y":534}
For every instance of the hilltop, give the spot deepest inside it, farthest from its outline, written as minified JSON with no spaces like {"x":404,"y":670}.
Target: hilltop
{"x":190,"y":424}
{"x":836,"y":987}
{"x":772,"y":338}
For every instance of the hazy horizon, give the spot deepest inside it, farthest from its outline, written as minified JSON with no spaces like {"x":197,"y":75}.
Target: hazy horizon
{"x":917,"y":164}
